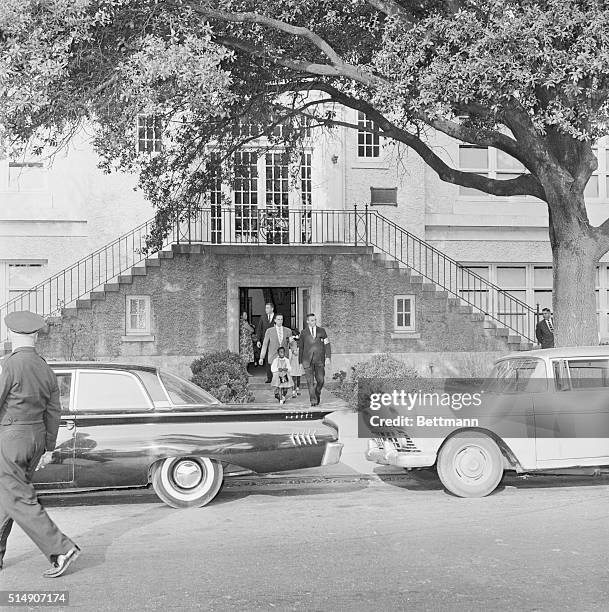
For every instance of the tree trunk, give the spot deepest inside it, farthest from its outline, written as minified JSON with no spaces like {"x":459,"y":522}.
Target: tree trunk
{"x":575,"y":255}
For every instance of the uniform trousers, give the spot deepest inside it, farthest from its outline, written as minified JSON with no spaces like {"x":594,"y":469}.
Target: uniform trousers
{"x":21,"y":447}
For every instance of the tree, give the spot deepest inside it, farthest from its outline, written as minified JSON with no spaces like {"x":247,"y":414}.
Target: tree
{"x":526,"y":77}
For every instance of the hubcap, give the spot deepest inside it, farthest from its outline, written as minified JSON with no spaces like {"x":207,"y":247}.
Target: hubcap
{"x":187,"y":474}
{"x":471,"y":463}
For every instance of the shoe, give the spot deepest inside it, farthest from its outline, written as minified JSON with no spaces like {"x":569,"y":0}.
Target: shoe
{"x":282,"y":401}
{"x":297,"y":391}
{"x":62,"y":562}
{"x":268,"y":381}
{"x":313,"y":404}
{"x":293,"y":393}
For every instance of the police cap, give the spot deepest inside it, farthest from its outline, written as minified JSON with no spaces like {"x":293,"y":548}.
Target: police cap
{"x":24,"y":322}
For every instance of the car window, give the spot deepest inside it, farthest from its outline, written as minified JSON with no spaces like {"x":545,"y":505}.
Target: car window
{"x":518,"y":375}
{"x":110,"y":390}
{"x":64,"y":380}
{"x":155,"y":389}
{"x":184,"y":393}
{"x":588,"y":373}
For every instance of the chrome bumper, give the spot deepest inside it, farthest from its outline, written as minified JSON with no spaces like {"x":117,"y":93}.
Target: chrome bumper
{"x":389,"y":455}
{"x":332,"y":453}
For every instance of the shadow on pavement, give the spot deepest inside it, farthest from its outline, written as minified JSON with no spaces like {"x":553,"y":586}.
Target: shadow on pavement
{"x":427,"y":480}
{"x":323,"y":486}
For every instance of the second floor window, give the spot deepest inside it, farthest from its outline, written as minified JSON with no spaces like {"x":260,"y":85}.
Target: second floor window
{"x":367,"y":141}
{"x":149,"y":134}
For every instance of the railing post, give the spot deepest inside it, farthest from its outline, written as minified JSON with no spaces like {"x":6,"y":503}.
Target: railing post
{"x":355,"y":217}
{"x":177,"y":225}
{"x":366,"y":222}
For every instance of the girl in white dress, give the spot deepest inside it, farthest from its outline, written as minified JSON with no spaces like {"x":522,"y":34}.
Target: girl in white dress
{"x":282,"y":381}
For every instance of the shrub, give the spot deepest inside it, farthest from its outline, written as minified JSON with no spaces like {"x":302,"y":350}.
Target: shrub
{"x":374,"y":371}
{"x":222,"y":374}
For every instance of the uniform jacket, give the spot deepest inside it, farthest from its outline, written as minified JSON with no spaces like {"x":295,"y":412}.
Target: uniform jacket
{"x":543,"y":334}
{"x":271,"y":342}
{"x":313,"y":350}
{"x":29,"y":393}
{"x":262,"y":325}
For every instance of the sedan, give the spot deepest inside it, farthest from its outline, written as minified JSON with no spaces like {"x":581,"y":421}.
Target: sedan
{"x":131,"y":426}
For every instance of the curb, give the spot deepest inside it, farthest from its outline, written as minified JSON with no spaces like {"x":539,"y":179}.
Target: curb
{"x":239,"y":482}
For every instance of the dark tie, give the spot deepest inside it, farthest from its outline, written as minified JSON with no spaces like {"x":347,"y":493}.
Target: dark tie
{"x":550,"y":326}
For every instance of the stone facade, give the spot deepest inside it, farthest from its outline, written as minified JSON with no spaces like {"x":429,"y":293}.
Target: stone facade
{"x":194,"y":310}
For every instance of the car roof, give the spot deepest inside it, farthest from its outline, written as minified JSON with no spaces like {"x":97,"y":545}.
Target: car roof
{"x":566,"y":352}
{"x":100,"y":365}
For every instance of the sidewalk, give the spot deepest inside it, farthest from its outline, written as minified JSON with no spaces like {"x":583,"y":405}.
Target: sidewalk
{"x":353,"y":464}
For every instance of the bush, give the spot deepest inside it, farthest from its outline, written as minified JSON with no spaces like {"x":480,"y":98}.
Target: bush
{"x":222,"y":374}
{"x":374,"y":371}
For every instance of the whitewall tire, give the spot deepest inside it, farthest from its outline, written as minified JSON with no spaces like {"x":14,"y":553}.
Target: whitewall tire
{"x":186,"y":482}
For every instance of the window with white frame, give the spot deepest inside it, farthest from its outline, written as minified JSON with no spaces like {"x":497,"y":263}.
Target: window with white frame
{"x":531,"y":283}
{"x":149,"y":133}
{"x":137,"y":321}
{"x":26,"y":176}
{"x":22,"y":277}
{"x":404,"y":313}
{"x":497,"y":164}
{"x":367,"y":140}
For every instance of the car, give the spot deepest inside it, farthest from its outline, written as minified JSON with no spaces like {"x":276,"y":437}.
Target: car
{"x":126,"y":426}
{"x":539,"y":411}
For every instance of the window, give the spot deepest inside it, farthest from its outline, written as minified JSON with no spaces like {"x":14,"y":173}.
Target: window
{"x":473,"y":159}
{"x":149,"y":133}
{"x":404,"y":313}
{"x":138,"y":315}
{"x":306,"y":202}
{"x":64,"y":380}
{"x":215,"y":199}
{"x":367,"y":139}
{"x":22,"y":276}
{"x":277,"y":194}
{"x":383,"y":195}
{"x":517,"y":375}
{"x":110,"y":390}
{"x":589,"y":373}
{"x":26,"y":176}
{"x":474,"y":290}
{"x":184,"y":393}
{"x":245,"y":196}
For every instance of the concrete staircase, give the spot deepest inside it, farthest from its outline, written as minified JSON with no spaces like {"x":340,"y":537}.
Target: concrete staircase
{"x":512,"y":341}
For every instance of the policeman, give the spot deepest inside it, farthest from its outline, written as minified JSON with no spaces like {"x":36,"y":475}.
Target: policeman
{"x":29,"y":421}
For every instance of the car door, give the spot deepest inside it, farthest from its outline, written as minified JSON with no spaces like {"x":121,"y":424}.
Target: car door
{"x":61,"y":470}
{"x":112,"y":411}
{"x":572,"y":421}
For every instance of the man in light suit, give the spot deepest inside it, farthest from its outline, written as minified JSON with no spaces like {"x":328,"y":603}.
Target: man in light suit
{"x":266,"y":321}
{"x":544,"y":331}
{"x":314,"y":350}
{"x":275,"y":336}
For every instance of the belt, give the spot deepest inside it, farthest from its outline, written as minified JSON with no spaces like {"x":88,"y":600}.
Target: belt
{"x":16,"y":421}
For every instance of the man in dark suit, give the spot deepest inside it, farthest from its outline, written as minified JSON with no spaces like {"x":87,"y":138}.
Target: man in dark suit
{"x":266,"y":321}
{"x":314,"y":349}
{"x":544,"y":332}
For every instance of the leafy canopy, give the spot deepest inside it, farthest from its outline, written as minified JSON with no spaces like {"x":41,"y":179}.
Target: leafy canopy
{"x":527,"y":77}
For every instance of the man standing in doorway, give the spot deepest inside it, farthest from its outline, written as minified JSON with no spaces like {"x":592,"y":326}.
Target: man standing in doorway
{"x":314,"y":349}
{"x":29,"y":421}
{"x":266,"y":321}
{"x":544,"y":332}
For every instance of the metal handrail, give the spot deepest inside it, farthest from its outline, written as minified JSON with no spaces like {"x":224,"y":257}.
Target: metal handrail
{"x":278,"y":225}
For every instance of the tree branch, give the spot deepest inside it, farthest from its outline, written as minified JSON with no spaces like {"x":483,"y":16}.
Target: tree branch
{"x":389,"y":8}
{"x":337,"y":67}
{"x":525,"y":184}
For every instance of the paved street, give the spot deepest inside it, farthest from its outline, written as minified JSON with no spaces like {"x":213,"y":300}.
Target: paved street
{"x":395,"y":543}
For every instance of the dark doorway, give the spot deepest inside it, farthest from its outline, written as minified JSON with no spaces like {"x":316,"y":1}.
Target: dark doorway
{"x":253,"y":299}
